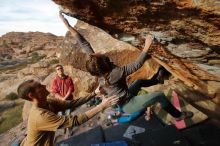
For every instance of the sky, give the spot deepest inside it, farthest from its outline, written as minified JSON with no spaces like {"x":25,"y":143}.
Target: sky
{"x":31,"y":15}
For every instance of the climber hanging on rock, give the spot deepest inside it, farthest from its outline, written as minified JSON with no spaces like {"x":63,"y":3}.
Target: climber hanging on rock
{"x":115,"y":81}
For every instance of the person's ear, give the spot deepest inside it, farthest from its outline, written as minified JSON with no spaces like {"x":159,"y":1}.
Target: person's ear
{"x":30,"y":95}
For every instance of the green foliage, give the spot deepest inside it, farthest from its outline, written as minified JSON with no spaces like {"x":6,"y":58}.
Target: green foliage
{"x":35,"y":57}
{"x":35,"y":54}
{"x":11,"y":96}
{"x":11,"y":118}
{"x":9,"y":57}
{"x":54,"y":61}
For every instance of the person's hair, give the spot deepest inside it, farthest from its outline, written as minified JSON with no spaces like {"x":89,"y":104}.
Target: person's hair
{"x":98,"y":65}
{"x":58,"y":65}
{"x":25,"y":88}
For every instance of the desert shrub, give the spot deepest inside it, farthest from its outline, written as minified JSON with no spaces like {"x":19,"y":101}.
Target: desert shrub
{"x":9,"y":57}
{"x":54,"y":61}
{"x":35,"y":55}
{"x":11,"y":96}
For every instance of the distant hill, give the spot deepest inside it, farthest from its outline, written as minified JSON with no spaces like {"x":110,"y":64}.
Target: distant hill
{"x":14,"y":44}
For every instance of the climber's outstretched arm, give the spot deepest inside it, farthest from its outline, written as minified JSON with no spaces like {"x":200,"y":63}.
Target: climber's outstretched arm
{"x":85,"y":45}
{"x":65,"y":21}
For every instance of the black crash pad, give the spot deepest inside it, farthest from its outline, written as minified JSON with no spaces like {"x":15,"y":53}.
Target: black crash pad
{"x":166,"y":136}
{"x":136,"y":133}
{"x":115,"y":133}
{"x":155,"y":134}
{"x":87,"y":138}
{"x":205,"y":134}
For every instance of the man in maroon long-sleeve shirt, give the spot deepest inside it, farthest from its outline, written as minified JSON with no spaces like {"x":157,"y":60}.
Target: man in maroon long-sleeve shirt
{"x":62,"y":86}
{"x":62,"y":89}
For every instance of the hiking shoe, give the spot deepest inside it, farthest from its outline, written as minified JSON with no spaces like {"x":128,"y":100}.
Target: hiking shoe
{"x":110,"y":121}
{"x":185,"y":115}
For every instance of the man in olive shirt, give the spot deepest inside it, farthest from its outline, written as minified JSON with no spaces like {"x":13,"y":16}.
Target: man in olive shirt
{"x":43,"y":120}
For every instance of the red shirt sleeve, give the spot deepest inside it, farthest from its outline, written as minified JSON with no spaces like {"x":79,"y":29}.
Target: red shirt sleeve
{"x":71,"y":85}
{"x":54,"y":87}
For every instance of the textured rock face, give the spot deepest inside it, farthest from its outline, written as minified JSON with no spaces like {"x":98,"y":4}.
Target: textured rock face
{"x":120,"y":53}
{"x":183,"y":28}
{"x":205,"y":5}
{"x":135,"y":16}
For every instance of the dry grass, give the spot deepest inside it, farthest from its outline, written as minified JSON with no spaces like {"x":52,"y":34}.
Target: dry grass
{"x":11,"y":117}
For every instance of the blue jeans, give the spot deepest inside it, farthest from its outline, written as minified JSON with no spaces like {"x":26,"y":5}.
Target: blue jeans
{"x":141,"y":102}
{"x":138,"y":104}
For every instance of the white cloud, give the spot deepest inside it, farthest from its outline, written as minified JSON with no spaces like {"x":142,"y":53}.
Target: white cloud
{"x":34,"y":15}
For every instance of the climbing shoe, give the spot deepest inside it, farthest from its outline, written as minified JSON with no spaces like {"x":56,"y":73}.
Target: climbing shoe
{"x":185,"y":115}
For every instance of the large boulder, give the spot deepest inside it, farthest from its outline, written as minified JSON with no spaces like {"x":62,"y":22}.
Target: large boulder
{"x":102,"y":42}
{"x":118,"y":52}
{"x":182,"y":68}
{"x":187,"y":35}
{"x":12,"y":82}
{"x":182,"y":28}
{"x":8,"y":84}
{"x":40,"y":70}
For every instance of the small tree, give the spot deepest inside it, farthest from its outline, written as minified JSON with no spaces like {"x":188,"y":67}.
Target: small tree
{"x":54,"y":61}
{"x":11,"y":96}
{"x":35,"y":56}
